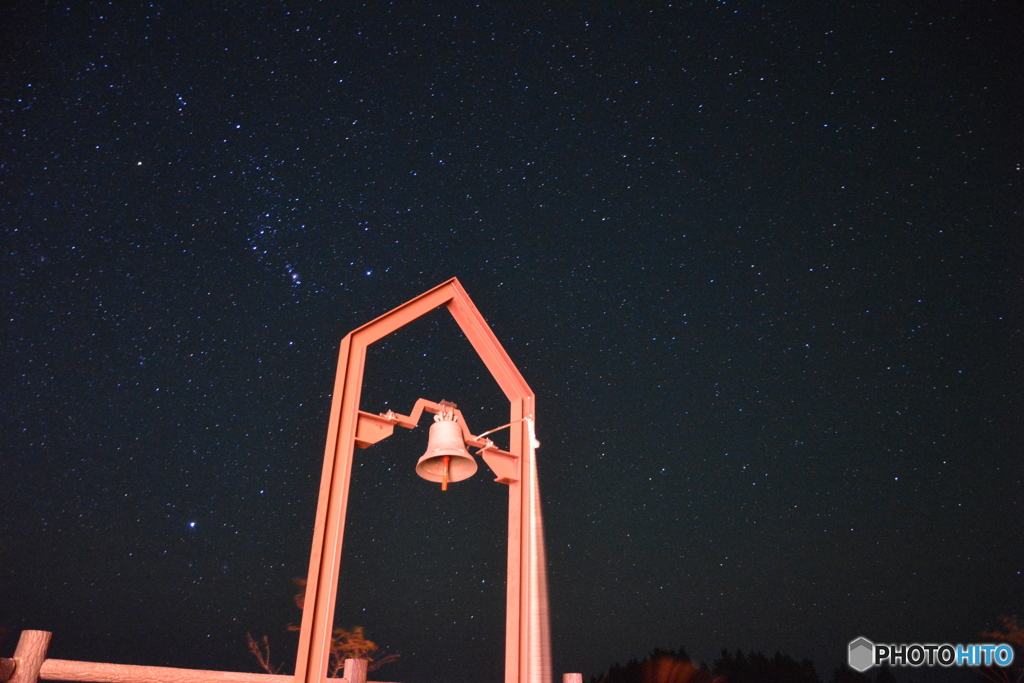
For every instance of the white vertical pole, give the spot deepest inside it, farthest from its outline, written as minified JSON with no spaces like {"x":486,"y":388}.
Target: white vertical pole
{"x":538,"y":619}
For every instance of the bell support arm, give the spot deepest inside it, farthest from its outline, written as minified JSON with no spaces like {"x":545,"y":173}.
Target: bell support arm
{"x":373,"y":428}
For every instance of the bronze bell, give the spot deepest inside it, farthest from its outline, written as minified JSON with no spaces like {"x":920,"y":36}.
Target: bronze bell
{"x":446,"y":458}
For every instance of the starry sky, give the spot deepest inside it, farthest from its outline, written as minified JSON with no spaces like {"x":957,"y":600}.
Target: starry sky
{"x":760,"y":262}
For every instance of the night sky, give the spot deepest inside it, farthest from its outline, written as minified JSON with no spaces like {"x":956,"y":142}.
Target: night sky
{"x":761,"y":265}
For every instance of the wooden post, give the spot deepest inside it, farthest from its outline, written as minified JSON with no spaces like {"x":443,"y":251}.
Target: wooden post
{"x":30,"y":655}
{"x":6,"y":669}
{"x":355,"y":670}
{"x":572,"y":678}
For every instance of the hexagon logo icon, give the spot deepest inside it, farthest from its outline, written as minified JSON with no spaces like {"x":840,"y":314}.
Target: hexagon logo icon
{"x":861,"y":654}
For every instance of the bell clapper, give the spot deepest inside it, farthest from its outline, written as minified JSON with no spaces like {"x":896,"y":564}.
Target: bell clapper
{"x":446,"y":414}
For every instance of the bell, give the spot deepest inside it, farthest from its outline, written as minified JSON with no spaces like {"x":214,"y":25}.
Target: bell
{"x":446,"y":458}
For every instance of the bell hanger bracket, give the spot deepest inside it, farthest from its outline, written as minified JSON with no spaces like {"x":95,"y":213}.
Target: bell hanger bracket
{"x":373,"y":428}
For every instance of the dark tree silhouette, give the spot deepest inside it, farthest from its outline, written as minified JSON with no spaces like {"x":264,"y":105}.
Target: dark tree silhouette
{"x":844,"y":674}
{"x":757,"y":668}
{"x":661,"y":666}
{"x":1012,"y":632}
{"x":884,"y":675}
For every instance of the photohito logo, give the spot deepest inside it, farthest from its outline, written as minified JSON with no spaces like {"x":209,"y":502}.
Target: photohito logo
{"x":862,"y":654}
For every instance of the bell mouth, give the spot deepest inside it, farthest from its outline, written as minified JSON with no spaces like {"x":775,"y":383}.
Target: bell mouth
{"x":461,"y":466}
{"x":446,"y":459}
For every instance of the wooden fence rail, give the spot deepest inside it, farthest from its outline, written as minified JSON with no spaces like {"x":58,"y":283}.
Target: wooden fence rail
{"x":30,"y":665}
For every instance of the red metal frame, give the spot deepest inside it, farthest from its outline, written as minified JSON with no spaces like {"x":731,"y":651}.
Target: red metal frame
{"x":527,"y":639}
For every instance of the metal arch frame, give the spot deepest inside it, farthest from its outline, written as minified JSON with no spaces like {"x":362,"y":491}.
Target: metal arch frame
{"x":527,"y":635}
